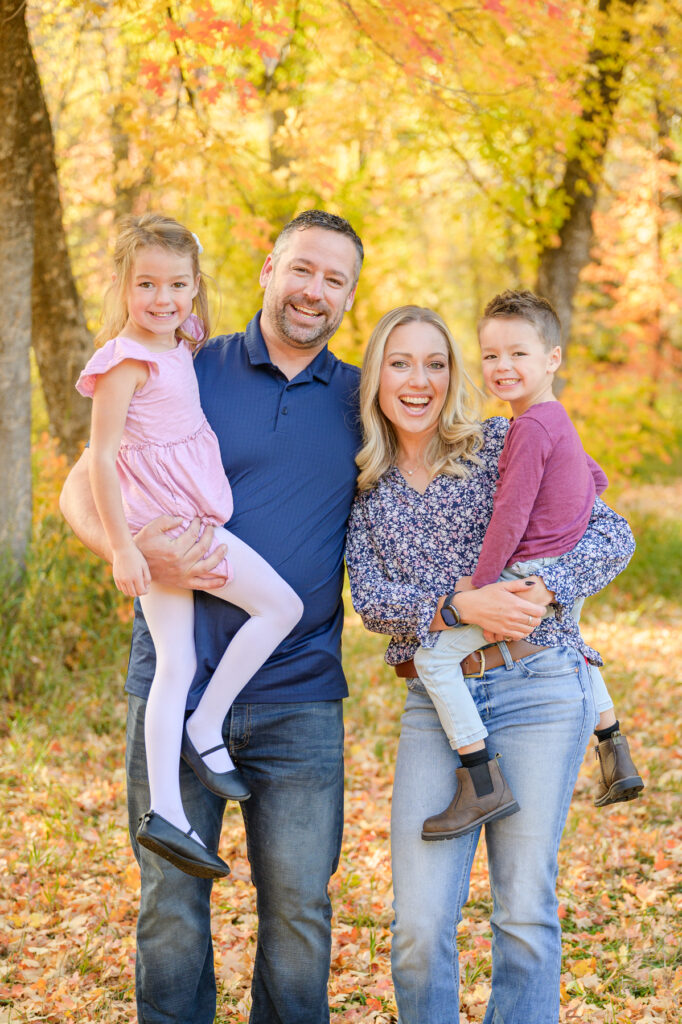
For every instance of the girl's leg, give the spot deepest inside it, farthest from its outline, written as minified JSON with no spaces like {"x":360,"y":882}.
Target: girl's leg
{"x":274,"y":609}
{"x":170,"y":616}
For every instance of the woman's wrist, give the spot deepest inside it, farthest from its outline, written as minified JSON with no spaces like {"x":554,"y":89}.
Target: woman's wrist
{"x":454,"y":617}
{"x":437,"y":622}
{"x":464,"y":605}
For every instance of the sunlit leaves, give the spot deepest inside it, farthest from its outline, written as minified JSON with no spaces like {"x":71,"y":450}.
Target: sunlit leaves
{"x":70,"y":886}
{"x":441,"y":130}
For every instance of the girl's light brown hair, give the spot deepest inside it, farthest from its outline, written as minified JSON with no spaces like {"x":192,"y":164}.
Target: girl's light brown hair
{"x":150,"y":231}
{"x":459,"y":435}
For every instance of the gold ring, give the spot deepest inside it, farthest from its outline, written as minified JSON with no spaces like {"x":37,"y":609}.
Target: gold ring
{"x":507,"y":639}
{"x":530,"y":620}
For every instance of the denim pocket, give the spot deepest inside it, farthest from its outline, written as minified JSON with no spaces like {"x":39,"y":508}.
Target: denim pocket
{"x":555,"y":661}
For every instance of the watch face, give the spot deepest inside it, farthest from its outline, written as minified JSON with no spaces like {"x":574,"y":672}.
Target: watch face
{"x":448,"y":616}
{"x":449,"y":613}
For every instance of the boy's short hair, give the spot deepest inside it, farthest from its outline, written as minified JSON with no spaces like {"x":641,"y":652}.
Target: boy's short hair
{"x":529,"y":307}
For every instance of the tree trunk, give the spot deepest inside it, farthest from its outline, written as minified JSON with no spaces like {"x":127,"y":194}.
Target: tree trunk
{"x":16,"y":267}
{"x":560,"y":266}
{"x":61,"y":340}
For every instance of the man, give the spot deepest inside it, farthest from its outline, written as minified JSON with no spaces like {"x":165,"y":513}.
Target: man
{"x":285,"y":413}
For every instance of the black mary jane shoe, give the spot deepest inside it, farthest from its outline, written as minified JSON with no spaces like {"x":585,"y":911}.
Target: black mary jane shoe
{"x":168,"y":841}
{"x":230,"y":785}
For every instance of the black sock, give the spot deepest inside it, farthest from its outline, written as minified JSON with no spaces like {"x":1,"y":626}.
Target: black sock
{"x":604,"y":734}
{"x":477,"y":763}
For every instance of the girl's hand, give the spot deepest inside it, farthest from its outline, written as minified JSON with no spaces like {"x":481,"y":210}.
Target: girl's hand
{"x":131,"y":572}
{"x":499,"y":608}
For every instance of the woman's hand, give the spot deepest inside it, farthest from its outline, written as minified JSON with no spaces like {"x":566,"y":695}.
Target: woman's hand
{"x":535,"y":591}
{"x":500,"y":608}
{"x":130,"y":571}
{"x":179,"y":561}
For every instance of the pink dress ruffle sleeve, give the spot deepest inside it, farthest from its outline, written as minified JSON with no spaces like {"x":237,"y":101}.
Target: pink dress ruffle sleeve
{"x":169,"y":461}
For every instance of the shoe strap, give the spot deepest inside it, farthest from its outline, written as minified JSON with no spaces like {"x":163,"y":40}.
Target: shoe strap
{"x":212,"y":750}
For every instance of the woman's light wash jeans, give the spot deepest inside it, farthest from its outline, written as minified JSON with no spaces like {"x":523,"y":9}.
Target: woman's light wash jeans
{"x":539,"y":713}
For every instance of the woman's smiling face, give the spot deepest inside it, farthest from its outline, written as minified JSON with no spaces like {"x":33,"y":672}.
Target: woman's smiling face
{"x":414,"y":379}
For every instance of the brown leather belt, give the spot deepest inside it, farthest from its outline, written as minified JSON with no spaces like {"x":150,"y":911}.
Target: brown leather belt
{"x":476,"y":664}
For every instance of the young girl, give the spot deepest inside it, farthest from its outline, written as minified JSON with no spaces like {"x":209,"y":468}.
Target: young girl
{"x":153,"y":453}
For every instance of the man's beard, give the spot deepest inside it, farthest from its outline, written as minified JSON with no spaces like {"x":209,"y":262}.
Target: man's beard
{"x":300,"y":336}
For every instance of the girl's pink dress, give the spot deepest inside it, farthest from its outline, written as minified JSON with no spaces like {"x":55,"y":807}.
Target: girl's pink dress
{"x":169,"y":461}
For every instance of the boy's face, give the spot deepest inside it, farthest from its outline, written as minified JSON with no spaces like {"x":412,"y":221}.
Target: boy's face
{"x":516,"y":365}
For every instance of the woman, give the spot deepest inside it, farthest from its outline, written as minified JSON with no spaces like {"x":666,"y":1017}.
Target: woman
{"x":426,"y":484}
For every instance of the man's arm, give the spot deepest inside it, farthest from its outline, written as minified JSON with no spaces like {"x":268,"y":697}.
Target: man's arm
{"x":173,"y":561}
{"x":77,"y":505}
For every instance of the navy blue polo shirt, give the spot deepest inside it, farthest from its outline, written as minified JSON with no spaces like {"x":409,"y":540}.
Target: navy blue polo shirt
{"x":288,"y":447}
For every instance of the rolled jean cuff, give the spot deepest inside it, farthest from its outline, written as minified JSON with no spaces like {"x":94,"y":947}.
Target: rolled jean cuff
{"x":465,"y":741}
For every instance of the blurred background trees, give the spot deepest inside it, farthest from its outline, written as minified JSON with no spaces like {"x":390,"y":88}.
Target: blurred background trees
{"x":503,"y":143}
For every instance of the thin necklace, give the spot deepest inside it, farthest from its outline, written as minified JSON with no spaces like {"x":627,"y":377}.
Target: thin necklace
{"x":410,"y":472}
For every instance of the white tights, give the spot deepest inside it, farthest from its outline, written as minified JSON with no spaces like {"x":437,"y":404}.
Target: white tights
{"x":274,"y":609}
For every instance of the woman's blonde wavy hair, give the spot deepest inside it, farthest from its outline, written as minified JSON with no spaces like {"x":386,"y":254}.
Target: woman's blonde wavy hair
{"x":150,"y":231}
{"x":459,"y":435}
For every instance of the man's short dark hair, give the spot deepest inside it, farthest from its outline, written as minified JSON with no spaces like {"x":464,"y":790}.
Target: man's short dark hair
{"x":327,"y":221}
{"x":525,"y":305}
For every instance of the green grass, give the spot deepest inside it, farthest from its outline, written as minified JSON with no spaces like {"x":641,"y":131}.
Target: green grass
{"x":656,"y":567}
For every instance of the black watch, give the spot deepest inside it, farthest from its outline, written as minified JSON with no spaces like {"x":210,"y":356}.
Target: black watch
{"x":449,"y":613}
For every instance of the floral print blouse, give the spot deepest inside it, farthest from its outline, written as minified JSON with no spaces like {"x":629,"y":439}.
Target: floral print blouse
{"x":406,"y":549}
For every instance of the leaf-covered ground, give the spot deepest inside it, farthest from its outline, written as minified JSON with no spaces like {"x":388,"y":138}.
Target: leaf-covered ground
{"x":70,"y":884}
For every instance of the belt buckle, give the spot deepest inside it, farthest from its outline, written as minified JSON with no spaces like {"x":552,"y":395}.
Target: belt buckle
{"x":477,"y":675}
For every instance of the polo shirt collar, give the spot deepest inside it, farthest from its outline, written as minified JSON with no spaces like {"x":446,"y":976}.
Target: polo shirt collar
{"x":321,"y":367}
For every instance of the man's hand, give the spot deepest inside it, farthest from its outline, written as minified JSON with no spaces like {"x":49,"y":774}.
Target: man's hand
{"x":179,"y":561}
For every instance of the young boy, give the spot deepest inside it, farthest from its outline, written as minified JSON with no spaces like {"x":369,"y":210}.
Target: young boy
{"x":542,"y":505}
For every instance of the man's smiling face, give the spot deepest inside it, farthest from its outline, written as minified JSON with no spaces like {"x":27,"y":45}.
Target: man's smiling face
{"x":309,"y":287}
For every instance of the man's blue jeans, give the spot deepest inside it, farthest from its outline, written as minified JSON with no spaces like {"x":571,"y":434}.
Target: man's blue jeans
{"x":292,"y":757}
{"x":539,"y":713}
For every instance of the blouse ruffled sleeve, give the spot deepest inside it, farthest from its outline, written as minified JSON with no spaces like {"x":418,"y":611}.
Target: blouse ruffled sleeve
{"x":109,"y":355}
{"x":193,"y":326}
{"x":402,"y":610}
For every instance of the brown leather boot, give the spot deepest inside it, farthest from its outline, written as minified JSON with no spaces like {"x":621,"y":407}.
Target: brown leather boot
{"x":467,"y":810}
{"x":619,"y":778}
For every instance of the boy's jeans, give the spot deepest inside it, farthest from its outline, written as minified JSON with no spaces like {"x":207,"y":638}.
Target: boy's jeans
{"x":292,"y":758}
{"x":439,"y":669}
